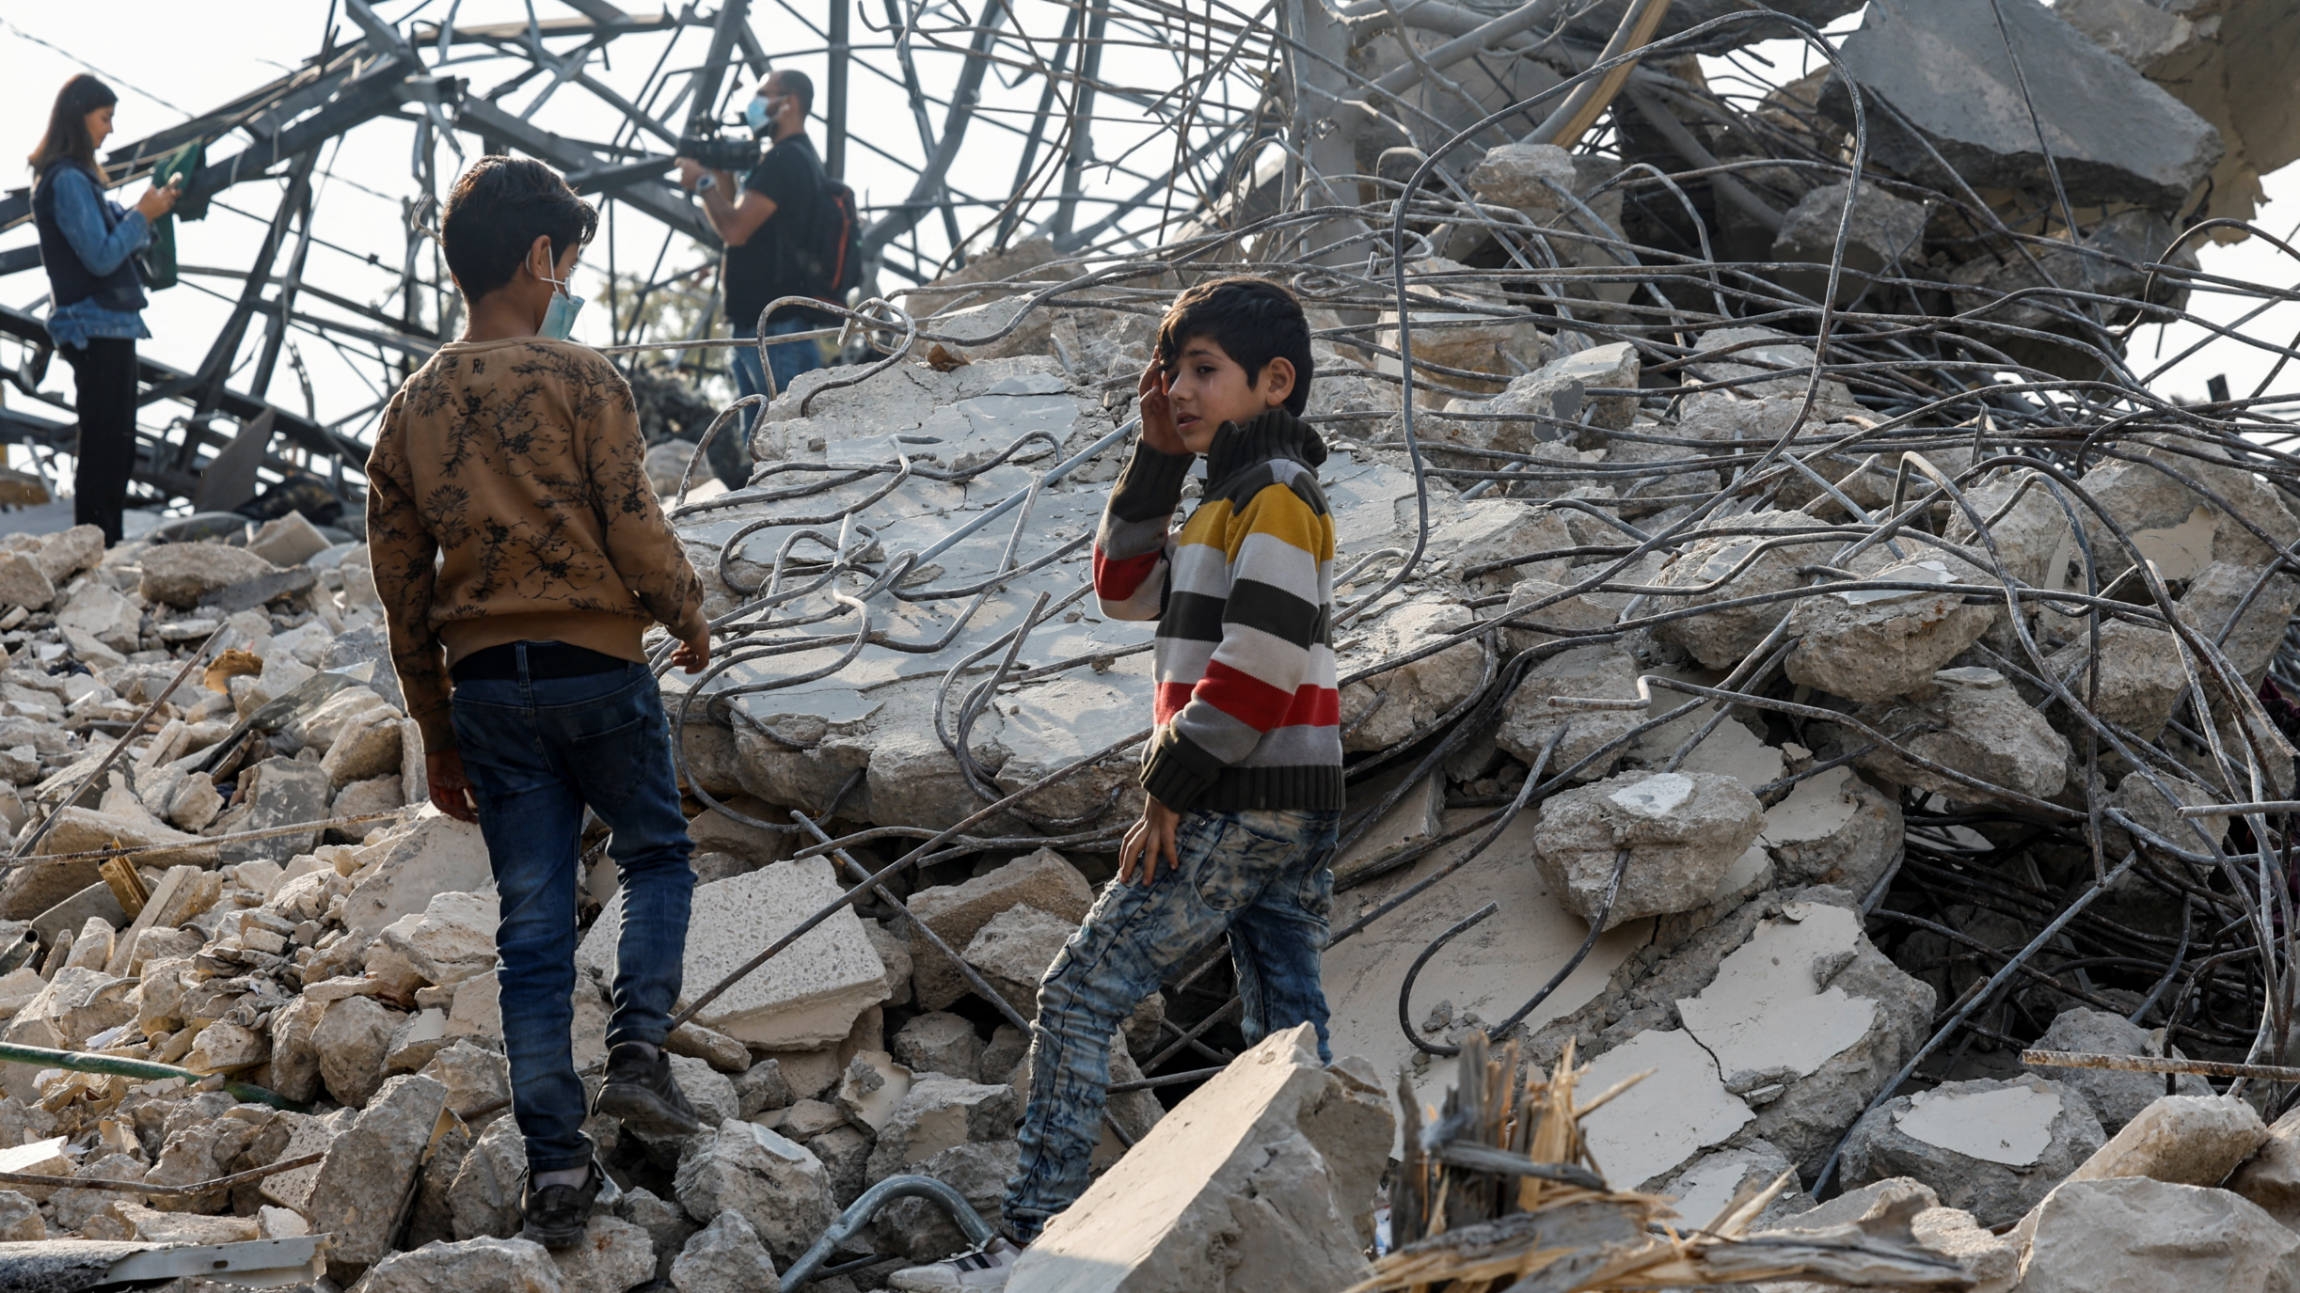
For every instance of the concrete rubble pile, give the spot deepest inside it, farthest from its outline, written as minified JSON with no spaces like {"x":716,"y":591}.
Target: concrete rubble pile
{"x":1789,"y":658}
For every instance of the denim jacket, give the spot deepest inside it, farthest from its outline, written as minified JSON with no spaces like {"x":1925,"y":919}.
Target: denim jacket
{"x":77,"y":210}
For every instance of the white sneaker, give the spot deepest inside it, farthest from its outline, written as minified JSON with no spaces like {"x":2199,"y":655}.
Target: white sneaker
{"x":982,"y":1270}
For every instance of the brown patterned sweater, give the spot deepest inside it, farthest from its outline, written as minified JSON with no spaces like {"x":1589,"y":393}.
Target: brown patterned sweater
{"x":507,"y":501}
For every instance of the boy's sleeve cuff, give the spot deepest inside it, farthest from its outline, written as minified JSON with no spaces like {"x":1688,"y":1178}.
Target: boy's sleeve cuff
{"x":1150,"y":484}
{"x":1176,"y":772}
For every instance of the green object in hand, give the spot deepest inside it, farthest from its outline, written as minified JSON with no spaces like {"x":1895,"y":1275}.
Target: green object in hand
{"x":160,"y":256}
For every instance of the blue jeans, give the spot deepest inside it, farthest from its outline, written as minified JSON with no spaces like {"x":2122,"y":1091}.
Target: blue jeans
{"x":730,"y":455}
{"x":537,"y":751}
{"x":1264,"y":879}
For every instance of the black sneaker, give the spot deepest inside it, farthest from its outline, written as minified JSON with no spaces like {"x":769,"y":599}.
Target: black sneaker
{"x":556,"y":1214}
{"x":640,"y":1093}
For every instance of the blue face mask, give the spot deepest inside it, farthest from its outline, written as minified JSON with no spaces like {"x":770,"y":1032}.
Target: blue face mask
{"x":559,"y":320}
{"x":755,"y":112}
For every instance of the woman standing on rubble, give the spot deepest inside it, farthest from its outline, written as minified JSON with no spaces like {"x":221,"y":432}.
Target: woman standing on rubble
{"x":96,"y":291}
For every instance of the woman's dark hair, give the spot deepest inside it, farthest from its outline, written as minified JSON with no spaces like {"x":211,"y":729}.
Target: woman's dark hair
{"x":67,"y":135}
{"x":497,"y":210}
{"x":1253,"y":320}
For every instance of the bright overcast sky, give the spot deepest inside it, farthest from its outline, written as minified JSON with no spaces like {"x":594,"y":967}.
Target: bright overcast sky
{"x":171,"y":60}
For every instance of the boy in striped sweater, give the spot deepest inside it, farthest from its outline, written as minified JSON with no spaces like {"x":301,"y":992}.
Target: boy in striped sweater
{"x":1244,"y":772}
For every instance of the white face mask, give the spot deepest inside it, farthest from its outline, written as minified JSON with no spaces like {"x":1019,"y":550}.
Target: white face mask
{"x":559,"y":320}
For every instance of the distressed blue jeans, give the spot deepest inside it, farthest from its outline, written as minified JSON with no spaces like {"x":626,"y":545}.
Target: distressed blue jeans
{"x":730,"y":454}
{"x":537,"y":751}
{"x":1265,"y":879}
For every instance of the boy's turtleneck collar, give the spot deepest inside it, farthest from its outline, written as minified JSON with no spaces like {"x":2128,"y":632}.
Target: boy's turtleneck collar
{"x":1274,"y":433}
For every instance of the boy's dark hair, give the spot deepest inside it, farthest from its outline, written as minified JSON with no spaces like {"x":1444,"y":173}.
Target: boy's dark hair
{"x":799,"y":86}
{"x":496,"y":211}
{"x":1253,"y":320}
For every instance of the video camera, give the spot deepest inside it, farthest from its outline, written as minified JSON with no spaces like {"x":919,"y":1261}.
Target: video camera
{"x":719,"y":152}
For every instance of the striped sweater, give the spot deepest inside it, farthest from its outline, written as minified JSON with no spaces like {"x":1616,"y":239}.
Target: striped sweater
{"x":1243,"y":593}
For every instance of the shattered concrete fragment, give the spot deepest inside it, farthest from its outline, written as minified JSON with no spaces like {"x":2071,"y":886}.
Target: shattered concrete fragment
{"x":2136,"y":1235}
{"x":1681,"y":832}
{"x":2115,"y":1096}
{"x":1994,"y":1148}
{"x":778,"y":1186}
{"x":508,"y":1265}
{"x":1261,"y":1178}
{"x":724,"y":1255}
{"x":2180,"y":1139}
{"x":1873,"y":644}
{"x":808,"y":995}
{"x":1981,"y":728}
{"x":370,"y":1169}
{"x":1043,"y":880}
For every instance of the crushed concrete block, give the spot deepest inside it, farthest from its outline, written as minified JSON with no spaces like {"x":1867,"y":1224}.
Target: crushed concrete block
{"x":1013,"y":950}
{"x":613,"y":1255}
{"x":808,"y":995}
{"x":20,"y":1220}
{"x":277,"y":792}
{"x":762,"y":1087}
{"x":1873,"y":644}
{"x":370,"y":1169}
{"x":185,"y":1227}
{"x":1262,"y":1178}
{"x":2210,"y":606}
{"x":2176,"y":527}
{"x":2271,"y":1177}
{"x":366,"y":750}
{"x":288,"y":540}
{"x":2181,"y":1139}
{"x":2136,"y":1235}
{"x":182,"y":574}
{"x":1529,"y":722}
{"x":100,"y":611}
{"x":2116,"y":1097}
{"x":68,"y":552}
{"x":1044,"y":880}
{"x":1500,"y":529}
{"x":1992,"y":1264}
{"x":1994,"y":1148}
{"x":872,"y":1088}
{"x":938,"y":1042}
{"x":1683,"y":831}
{"x":484,"y":1198}
{"x":352,"y":1039}
{"x":717,"y":1049}
{"x":723,"y":1256}
{"x":473,"y":1075}
{"x":1834,"y":828}
{"x":2140,"y":678}
{"x":1983,"y":729}
{"x":23,"y":584}
{"x":435,"y":854}
{"x":778,"y":1186}
{"x":1884,"y":230}
{"x":499,"y":1265}
{"x":936,"y":1113}
{"x":1728,"y":567}
{"x":1386,"y":709}
{"x":295,"y":1071}
{"x":450,"y":940}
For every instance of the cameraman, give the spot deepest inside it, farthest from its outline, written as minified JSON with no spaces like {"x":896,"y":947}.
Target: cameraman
{"x":776,"y":210}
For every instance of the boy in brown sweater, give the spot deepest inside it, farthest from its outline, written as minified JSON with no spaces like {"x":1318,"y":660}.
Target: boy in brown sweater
{"x":521,"y":555}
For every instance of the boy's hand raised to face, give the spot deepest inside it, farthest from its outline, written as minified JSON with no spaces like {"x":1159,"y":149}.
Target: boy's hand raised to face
{"x":1158,"y":417}
{"x":1148,"y":840}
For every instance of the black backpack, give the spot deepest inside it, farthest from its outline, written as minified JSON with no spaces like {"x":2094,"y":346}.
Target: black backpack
{"x":839,"y":233}
{"x":828,"y":259}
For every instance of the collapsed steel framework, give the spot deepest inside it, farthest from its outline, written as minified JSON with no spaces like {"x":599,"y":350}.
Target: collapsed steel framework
{"x":1099,"y":159}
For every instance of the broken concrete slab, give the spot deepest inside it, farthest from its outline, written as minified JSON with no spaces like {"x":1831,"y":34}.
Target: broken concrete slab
{"x":508,"y":1265}
{"x":434,"y":854}
{"x":724,"y":1255}
{"x":1994,"y":1148}
{"x":2181,"y":1139}
{"x":2136,"y":1235}
{"x":1981,"y":728}
{"x":1872,"y":644}
{"x":808,"y":995}
{"x":1681,"y":1109}
{"x":1043,"y":879}
{"x":1834,"y":828}
{"x":370,"y":1170}
{"x":1263,"y":1177}
{"x":181,"y":574}
{"x":2153,"y":149}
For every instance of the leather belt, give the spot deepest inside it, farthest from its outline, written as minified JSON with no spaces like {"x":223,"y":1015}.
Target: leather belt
{"x":544,"y":660}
